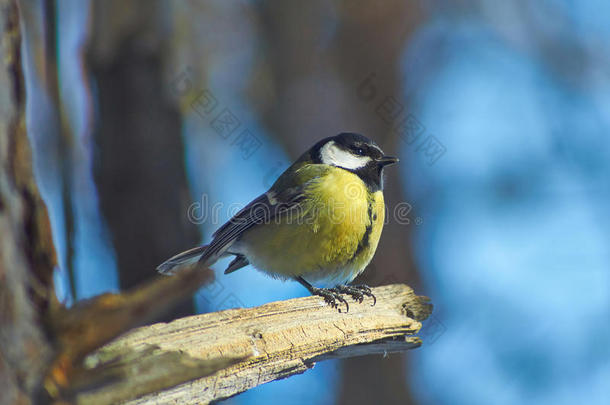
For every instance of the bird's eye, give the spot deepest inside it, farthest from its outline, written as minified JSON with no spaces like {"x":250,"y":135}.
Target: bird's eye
{"x":359,"y":151}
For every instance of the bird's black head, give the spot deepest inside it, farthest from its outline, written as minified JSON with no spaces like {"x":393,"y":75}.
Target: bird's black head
{"x":355,"y":153}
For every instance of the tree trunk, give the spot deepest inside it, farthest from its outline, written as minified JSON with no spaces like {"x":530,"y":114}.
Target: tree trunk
{"x":140,"y":174}
{"x":27,"y":256}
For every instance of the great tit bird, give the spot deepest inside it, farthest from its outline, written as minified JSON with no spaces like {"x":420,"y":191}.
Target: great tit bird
{"x":320,"y":221}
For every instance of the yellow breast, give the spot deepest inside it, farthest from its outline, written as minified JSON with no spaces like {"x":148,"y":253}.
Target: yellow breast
{"x":333,"y":235}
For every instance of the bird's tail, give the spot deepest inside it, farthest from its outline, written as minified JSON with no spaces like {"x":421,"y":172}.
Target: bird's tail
{"x":172,"y":265}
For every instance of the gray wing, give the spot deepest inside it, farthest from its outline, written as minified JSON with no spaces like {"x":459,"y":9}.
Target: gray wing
{"x":262,"y":209}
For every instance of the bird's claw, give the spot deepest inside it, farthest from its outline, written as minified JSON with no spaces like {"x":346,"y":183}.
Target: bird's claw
{"x":331,"y":296}
{"x":357,"y":292}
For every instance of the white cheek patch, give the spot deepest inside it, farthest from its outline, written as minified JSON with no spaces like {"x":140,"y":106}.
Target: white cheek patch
{"x":331,"y":154}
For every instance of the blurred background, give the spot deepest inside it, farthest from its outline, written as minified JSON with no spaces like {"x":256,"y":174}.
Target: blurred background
{"x":169,"y":116}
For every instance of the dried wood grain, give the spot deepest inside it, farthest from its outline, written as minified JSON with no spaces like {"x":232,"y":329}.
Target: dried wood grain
{"x":261,"y":344}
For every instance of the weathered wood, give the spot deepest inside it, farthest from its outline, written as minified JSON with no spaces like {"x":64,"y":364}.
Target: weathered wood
{"x":89,"y":324}
{"x":265,"y":343}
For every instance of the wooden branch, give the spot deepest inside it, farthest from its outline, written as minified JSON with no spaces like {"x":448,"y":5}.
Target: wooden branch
{"x":217,"y":355}
{"x":89,"y":324}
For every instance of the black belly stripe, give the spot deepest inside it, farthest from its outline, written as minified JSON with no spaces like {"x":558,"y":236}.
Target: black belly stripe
{"x":364,"y":242}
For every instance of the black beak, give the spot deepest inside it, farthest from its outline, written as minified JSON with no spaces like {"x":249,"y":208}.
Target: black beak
{"x":387,"y":160}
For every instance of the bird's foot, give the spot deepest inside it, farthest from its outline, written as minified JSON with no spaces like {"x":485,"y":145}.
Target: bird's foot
{"x":331,"y":296}
{"x":357,"y":292}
